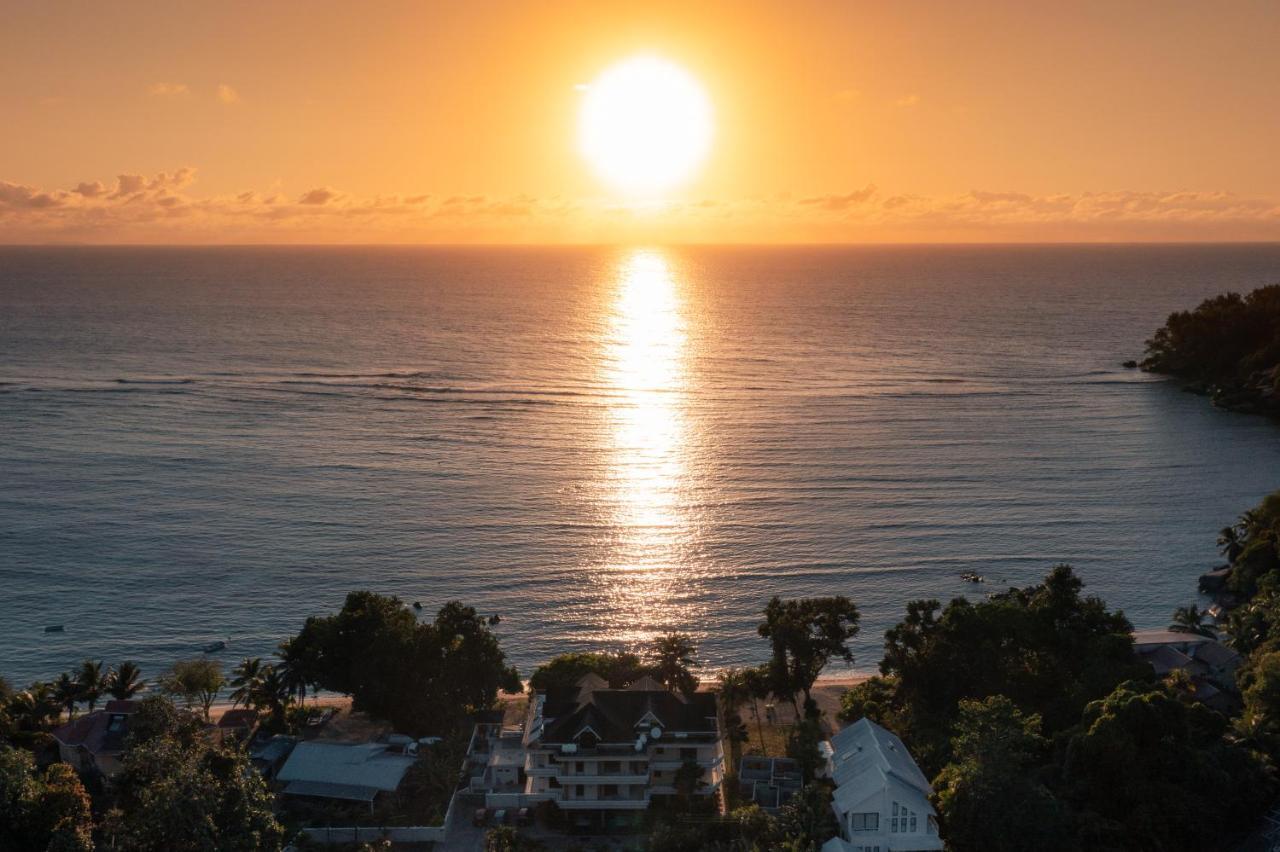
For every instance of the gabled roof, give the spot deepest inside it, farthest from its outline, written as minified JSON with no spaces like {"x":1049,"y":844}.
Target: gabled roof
{"x":615,"y":715}
{"x":864,"y":745}
{"x":1215,"y":654}
{"x":100,"y":732}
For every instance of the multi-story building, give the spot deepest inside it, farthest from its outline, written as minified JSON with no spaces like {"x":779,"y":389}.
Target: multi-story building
{"x":601,"y":752}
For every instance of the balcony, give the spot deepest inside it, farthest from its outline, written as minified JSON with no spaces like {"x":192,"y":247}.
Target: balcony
{"x":603,"y":778}
{"x":606,"y":803}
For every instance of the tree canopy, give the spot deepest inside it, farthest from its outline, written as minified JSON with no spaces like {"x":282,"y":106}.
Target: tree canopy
{"x":426,"y":678}
{"x":804,"y":635}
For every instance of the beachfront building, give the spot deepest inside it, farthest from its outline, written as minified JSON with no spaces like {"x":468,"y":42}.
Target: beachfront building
{"x":601,"y":754}
{"x":94,"y":743}
{"x":348,"y":772}
{"x":881,"y":798}
{"x":1210,"y":665}
{"x":770,"y":782}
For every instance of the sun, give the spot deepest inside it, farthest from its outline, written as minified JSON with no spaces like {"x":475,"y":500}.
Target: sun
{"x":645,"y":125}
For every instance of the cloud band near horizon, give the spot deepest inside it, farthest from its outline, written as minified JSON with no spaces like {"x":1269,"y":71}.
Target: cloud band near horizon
{"x":162,"y":208}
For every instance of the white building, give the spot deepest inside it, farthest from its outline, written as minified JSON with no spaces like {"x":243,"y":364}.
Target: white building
{"x":881,"y":798}
{"x":599,"y":752}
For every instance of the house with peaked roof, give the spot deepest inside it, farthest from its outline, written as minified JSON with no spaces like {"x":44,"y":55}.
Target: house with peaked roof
{"x":599,"y":752}
{"x":881,"y":800}
{"x":95,"y":741}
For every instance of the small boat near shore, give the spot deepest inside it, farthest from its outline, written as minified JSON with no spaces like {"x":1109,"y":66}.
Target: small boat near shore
{"x":213,"y":647}
{"x":55,"y":628}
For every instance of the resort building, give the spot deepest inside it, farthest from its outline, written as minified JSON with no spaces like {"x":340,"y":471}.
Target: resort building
{"x":602,"y":754}
{"x":359,"y":772}
{"x":95,"y":741}
{"x":1210,"y":665}
{"x":881,"y":798}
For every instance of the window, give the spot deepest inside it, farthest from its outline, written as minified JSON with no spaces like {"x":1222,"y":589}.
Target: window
{"x":894,"y":825}
{"x":689,"y":754}
{"x":866,"y":822}
{"x":609,"y":790}
{"x":580,"y":767}
{"x":913,"y":823}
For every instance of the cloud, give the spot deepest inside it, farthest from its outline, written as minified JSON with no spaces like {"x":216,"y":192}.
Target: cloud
{"x":840,"y":202}
{"x":161,"y":207}
{"x":168,"y":90}
{"x":907,"y":101}
{"x":321,"y":195}
{"x":227,"y":95}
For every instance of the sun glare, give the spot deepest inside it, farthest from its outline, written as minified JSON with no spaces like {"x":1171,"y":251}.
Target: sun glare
{"x":645,"y":125}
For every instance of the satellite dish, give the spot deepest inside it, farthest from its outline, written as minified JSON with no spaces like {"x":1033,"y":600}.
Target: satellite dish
{"x":655,"y":732}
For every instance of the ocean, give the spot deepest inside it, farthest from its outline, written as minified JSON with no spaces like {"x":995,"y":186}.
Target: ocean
{"x":596,"y":444}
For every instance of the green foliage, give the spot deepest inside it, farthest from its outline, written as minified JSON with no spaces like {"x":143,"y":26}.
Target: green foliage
{"x":802,"y":747}
{"x":195,"y":681}
{"x":504,"y":838}
{"x":1256,"y":545}
{"x":1228,"y":346}
{"x":1144,"y":767}
{"x":1189,"y":619}
{"x":179,"y":790}
{"x":996,"y":750}
{"x":431,"y":781}
{"x":49,"y":811}
{"x":804,"y":635}
{"x":672,"y":659}
{"x":873,"y":699}
{"x":92,"y":681}
{"x":1045,"y":647}
{"x":424,"y":678}
{"x":563,"y":671}
{"x":125,"y":681}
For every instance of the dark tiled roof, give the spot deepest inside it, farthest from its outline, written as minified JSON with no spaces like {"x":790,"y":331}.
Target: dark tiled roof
{"x":614,"y":714}
{"x":102,"y":731}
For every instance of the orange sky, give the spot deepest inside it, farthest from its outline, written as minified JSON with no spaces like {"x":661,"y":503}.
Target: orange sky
{"x":450,"y":122}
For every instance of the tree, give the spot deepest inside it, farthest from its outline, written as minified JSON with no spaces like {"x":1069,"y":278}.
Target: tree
{"x":35,"y":708}
{"x":1143,"y":768}
{"x":425,"y":678}
{"x":672,"y":660}
{"x":66,"y":690}
{"x":1231,"y":542}
{"x":243,"y":678}
{"x":1047,"y":648}
{"x":806,"y":822}
{"x":731,"y":693}
{"x":620,"y":669}
{"x":758,"y":686}
{"x":504,"y":838}
{"x":93,"y":682}
{"x":125,"y":681}
{"x":270,"y":693}
{"x":995,"y":753}
{"x":1189,"y":619}
{"x":195,"y":681}
{"x":804,"y":635}
{"x":802,"y":747}
{"x":49,"y":811}
{"x":179,"y":790}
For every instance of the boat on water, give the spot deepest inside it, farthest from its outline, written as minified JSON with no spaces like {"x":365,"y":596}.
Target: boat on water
{"x":971,"y":577}
{"x":55,"y":628}
{"x":213,"y":647}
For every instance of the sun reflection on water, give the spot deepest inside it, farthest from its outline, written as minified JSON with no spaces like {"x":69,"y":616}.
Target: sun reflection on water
{"x":646,"y":372}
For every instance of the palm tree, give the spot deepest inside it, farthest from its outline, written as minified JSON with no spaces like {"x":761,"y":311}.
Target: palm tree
{"x":36,"y":706}
{"x":756,"y":682}
{"x":1189,"y":619}
{"x":67,"y":690}
{"x":270,"y":692}
{"x":673,"y":657}
{"x":243,"y":679}
{"x":733,"y":690}
{"x":125,"y":681}
{"x":92,"y":682}
{"x":1231,"y":541}
{"x":293,"y":669}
